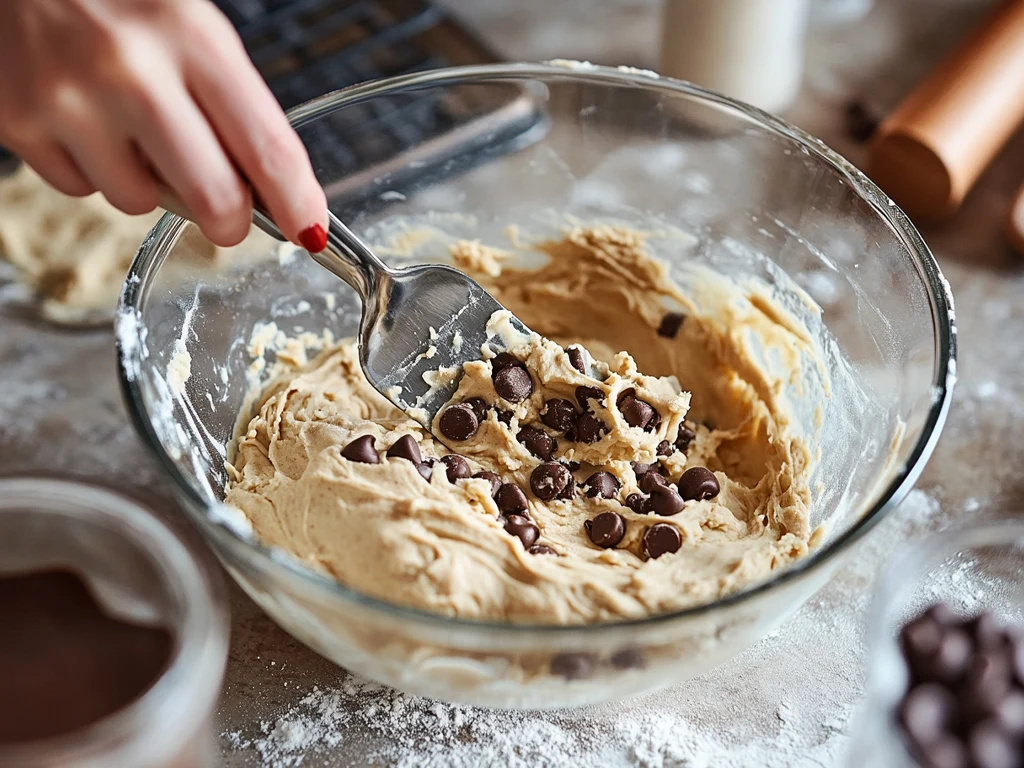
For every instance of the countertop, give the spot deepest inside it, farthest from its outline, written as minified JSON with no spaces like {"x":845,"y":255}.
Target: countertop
{"x":790,"y":700}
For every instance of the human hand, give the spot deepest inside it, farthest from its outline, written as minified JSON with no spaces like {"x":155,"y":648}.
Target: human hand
{"x":124,"y":96}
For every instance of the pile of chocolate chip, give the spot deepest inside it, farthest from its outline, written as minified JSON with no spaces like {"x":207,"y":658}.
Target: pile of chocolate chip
{"x":553,"y":479}
{"x":659,"y":496}
{"x":964,"y":705}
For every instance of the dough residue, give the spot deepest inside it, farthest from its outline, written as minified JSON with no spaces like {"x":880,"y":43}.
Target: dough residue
{"x":442,"y":546}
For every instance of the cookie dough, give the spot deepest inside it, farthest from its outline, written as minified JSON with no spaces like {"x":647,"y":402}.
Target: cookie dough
{"x":574,"y":488}
{"x":73,"y":253}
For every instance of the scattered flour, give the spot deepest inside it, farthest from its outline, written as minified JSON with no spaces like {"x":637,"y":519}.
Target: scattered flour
{"x":797,"y":722}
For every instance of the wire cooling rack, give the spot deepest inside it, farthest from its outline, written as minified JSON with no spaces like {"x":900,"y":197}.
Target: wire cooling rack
{"x":305,"y":48}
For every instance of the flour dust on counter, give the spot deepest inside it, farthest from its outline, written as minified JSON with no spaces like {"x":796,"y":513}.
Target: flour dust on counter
{"x":764,"y":708}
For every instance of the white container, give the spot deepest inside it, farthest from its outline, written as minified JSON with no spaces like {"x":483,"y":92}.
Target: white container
{"x":751,"y":50}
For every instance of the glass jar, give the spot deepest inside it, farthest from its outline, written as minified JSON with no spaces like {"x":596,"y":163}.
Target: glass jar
{"x":138,"y":570}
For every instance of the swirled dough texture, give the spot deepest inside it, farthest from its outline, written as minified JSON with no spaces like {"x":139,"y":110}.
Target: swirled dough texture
{"x":385,"y":531}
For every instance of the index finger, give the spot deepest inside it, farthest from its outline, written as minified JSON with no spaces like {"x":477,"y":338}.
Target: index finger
{"x":254,"y":130}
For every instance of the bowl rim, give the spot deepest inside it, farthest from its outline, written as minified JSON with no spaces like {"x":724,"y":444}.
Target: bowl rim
{"x":165,"y":233}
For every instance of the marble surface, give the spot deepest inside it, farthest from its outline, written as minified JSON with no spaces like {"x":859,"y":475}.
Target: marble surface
{"x":60,"y":407}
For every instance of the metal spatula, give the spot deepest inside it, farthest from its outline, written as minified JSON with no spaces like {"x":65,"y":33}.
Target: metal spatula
{"x":406,"y":312}
{"x":410,"y":316}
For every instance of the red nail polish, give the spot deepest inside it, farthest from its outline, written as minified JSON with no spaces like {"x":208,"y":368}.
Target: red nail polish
{"x":314,"y":238}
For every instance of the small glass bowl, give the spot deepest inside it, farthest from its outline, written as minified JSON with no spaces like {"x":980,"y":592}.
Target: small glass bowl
{"x":756,"y":200}
{"x":138,"y":567}
{"x":971,"y":570}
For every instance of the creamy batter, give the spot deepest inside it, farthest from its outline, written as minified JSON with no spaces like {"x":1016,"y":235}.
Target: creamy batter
{"x":560,"y":532}
{"x":72,"y":252}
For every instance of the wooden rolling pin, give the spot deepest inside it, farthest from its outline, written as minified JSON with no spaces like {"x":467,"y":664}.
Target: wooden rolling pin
{"x":928,"y":153}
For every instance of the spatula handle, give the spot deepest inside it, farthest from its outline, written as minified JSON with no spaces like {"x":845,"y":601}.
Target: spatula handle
{"x":351,"y":259}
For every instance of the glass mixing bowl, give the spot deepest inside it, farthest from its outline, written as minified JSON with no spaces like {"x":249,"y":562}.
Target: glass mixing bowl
{"x":748,"y":196}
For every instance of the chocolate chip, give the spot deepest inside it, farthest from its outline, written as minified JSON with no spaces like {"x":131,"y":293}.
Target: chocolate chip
{"x":538,"y":442}
{"x":662,"y":539}
{"x":406,"y":448}
{"x":602,"y":484}
{"x":1010,"y":713}
{"x":589,"y":428}
{"x":986,"y":682}
{"x":572,"y":465}
{"x":642,"y":469}
{"x":456,"y":467}
{"x":927,"y":712}
{"x":1017,"y":659}
{"x":549,"y":480}
{"x":990,"y":668}
{"x":523,"y":528}
{"x":569,"y":492}
{"x":361,"y":451}
{"x":948,"y":661}
{"x":654,"y":423}
{"x":635,"y":502}
{"x":513,"y":384}
{"x":576,"y":359}
{"x":663,"y":500}
{"x":698,"y":484}
{"x":987,"y":631}
{"x":670,"y":324}
{"x":479,"y":406}
{"x":979,"y":703}
{"x":628,"y":658}
{"x":585,"y":394}
{"x":573,"y":666}
{"x":664,"y":448}
{"x":541,"y":549}
{"x":504,"y":360}
{"x":491,"y":478}
{"x":989,"y":747}
{"x":947,"y":752}
{"x":606,"y":530}
{"x":636,"y":412}
{"x":624,"y":395}
{"x":458,"y":422}
{"x":559,"y":414}
{"x":684,"y":437}
{"x":920,"y":637}
{"x":650,"y":480}
{"x":505,"y":417}
{"x":860,"y":121}
{"x":426,"y":470}
{"x":510,"y":499}
{"x":943,"y":614}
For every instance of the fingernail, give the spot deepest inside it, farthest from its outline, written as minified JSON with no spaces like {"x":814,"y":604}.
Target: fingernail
{"x":314,"y":238}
